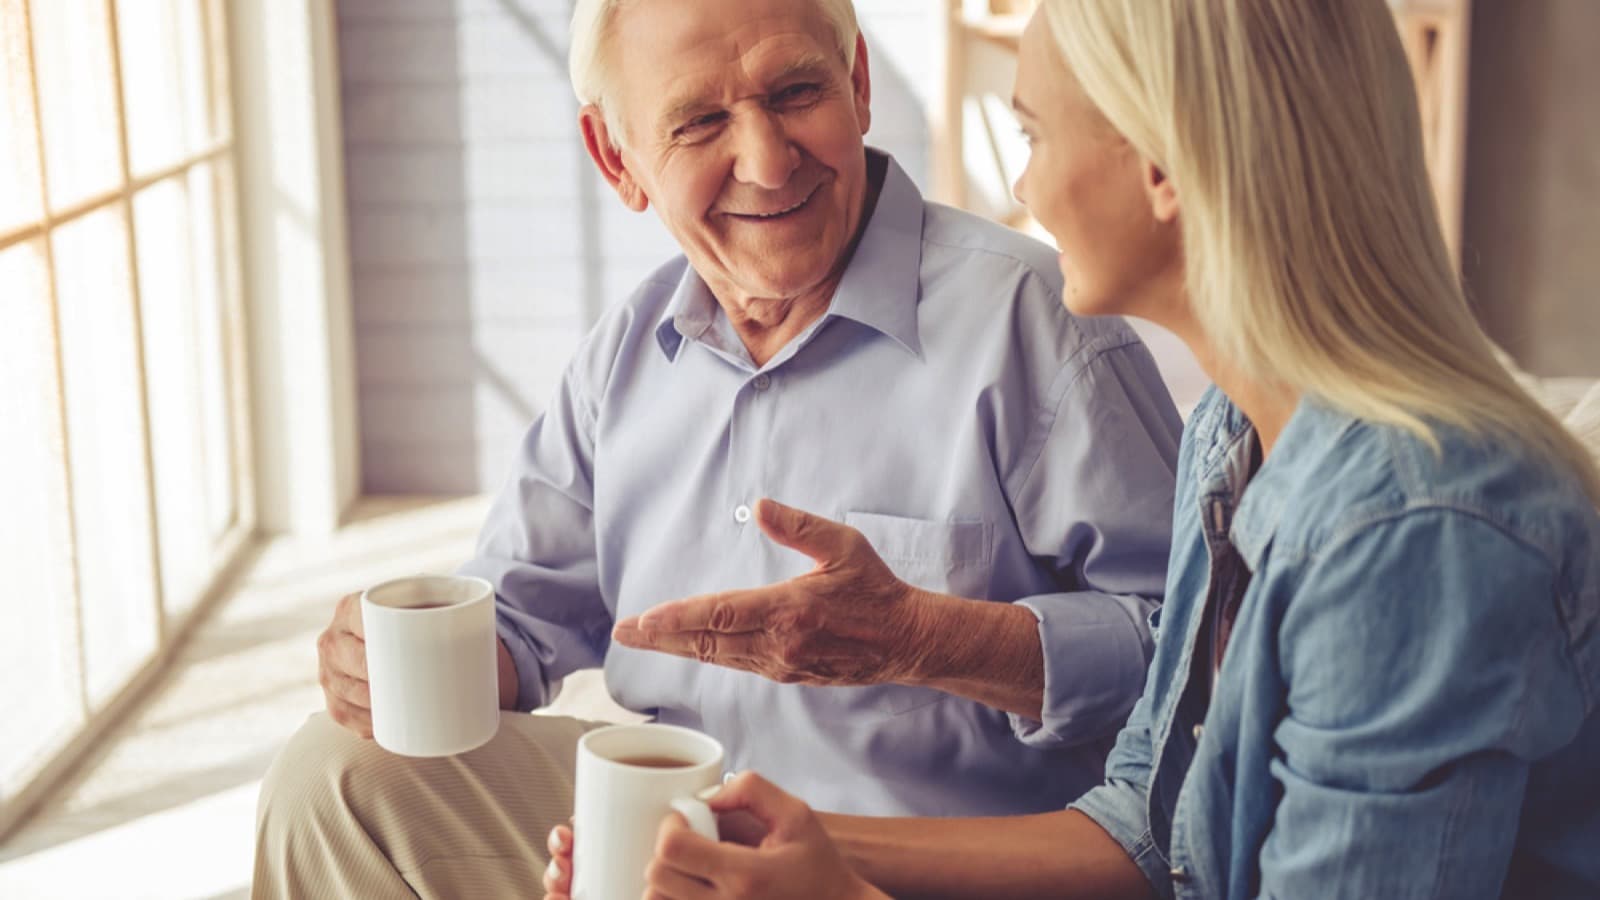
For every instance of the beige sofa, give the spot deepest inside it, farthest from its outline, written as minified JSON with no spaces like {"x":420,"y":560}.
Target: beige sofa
{"x":1575,"y":401}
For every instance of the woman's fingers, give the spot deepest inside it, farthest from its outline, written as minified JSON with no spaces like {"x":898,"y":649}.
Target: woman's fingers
{"x":558,"y":878}
{"x":668,"y":883}
{"x":779,"y":812}
{"x":560,"y":841}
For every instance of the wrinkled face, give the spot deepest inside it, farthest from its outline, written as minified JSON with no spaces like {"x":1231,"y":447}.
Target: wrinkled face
{"x":743,"y":125}
{"x":1086,"y":185}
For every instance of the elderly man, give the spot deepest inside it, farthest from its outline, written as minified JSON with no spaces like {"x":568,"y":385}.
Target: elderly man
{"x":970,"y":636}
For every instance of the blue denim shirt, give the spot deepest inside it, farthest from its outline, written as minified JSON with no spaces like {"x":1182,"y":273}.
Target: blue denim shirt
{"x":1407,"y":705}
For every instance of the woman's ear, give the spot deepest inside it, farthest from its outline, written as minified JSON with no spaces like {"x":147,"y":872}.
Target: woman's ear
{"x":607,"y":156}
{"x":1162,"y":194}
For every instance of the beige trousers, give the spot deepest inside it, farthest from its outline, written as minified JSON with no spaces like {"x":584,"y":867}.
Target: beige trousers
{"x":340,"y":817}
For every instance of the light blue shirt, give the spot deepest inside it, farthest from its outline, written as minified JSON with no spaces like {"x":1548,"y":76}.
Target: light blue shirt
{"x":986,"y":442}
{"x":1409,"y":704}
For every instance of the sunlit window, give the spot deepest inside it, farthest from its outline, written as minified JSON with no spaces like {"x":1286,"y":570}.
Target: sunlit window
{"x":122,"y":479}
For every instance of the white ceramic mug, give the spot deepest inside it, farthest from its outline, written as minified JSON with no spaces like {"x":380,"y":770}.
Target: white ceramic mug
{"x":432,"y":664}
{"x":624,"y":793}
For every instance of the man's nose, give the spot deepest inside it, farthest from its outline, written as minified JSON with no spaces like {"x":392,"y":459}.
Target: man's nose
{"x":765,"y":157}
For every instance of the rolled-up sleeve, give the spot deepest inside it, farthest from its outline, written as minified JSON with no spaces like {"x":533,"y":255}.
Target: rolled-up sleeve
{"x":1121,"y":806}
{"x":537,"y":548}
{"x":1097,"y":499}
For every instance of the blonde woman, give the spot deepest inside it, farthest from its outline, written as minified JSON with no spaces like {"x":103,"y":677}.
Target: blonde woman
{"x":1377,"y":670}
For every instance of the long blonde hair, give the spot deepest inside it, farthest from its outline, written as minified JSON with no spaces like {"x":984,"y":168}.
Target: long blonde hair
{"x":1313,"y":253}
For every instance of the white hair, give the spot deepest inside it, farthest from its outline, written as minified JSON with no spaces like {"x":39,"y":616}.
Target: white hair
{"x":592,"y":22}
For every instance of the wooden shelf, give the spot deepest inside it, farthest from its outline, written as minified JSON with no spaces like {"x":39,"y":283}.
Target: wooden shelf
{"x":1435,"y":33}
{"x":1005,"y":30}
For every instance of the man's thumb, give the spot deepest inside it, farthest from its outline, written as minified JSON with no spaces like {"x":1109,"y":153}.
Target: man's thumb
{"x":821,"y":539}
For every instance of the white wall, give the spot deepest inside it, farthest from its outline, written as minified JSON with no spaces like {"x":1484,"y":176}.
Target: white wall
{"x":482,"y":244}
{"x":296,"y":277}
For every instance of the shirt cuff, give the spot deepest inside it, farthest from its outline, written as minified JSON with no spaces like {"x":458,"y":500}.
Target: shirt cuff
{"x":1120,"y":810}
{"x":1095,"y":653}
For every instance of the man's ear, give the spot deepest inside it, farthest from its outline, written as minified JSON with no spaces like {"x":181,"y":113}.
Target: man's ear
{"x":607,"y":156}
{"x":861,"y":85}
{"x":1162,"y":194}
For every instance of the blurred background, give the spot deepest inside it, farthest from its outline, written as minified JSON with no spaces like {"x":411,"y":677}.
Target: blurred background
{"x":282,"y":283}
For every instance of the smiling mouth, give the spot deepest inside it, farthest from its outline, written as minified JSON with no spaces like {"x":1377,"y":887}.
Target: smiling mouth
{"x":780,"y":214}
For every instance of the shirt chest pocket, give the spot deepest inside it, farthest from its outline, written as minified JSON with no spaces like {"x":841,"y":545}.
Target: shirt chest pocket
{"x":948,"y":557}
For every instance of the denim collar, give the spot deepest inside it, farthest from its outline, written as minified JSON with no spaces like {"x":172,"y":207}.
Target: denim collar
{"x":1254,"y":517}
{"x":880,"y":288}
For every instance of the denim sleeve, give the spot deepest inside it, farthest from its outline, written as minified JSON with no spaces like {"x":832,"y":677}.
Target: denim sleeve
{"x":1425,"y":668}
{"x":1096,"y":500}
{"x":1120,"y":806}
{"x":537,"y":548}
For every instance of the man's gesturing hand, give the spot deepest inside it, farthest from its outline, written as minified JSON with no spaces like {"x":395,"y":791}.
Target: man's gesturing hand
{"x":849,"y":621}
{"x":342,"y":668}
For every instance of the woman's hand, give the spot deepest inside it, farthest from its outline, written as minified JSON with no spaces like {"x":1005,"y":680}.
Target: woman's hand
{"x":774,"y":847}
{"x":558,"y":875}
{"x":795,"y":858}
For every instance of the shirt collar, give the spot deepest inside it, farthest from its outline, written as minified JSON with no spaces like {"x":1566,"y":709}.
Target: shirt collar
{"x":1305,"y":439}
{"x":880,"y":288}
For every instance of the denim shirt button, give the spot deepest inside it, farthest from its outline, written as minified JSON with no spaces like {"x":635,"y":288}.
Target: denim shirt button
{"x":1199,"y":730}
{"x":1179,"y":874}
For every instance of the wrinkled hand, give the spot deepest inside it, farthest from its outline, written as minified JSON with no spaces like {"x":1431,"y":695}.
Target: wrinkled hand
{"x":796,"y":859}
{"x":849,"y":621}
{"x":342,"y":668}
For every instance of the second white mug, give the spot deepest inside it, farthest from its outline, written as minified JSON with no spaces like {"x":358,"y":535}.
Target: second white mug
{"x":629,"y":777}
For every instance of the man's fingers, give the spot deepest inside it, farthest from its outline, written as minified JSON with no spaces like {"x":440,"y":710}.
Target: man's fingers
{"x":347,"y":615}
{"x":353,"y":691}
{"x":350,"y":717}
{"x":824,"y":540}
{"x":729,"y":612}
{"x":736,"y":650}
{"x":344,"y":652}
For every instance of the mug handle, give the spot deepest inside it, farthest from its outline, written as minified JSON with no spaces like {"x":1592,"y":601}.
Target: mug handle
{"x":699,"y":816}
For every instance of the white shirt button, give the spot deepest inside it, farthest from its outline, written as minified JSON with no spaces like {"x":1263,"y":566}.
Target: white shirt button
{"x":1199,"y":730}
{"x":741,"y":514}
{"x":762,"y":382}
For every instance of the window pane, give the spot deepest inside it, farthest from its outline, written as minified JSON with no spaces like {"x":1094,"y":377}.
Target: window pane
{"x":214,"y":261}
{"x":163,"y":81}
{"x":214,"y":17}
{"x":39,"y":702}
{"x":19,"y":148}
{"x":105,"y":442}
{"x":77,"y":98}
{"x":173,"y":365}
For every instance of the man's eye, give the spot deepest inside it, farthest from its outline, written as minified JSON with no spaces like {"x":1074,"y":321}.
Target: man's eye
{"x":797,"y":94}
{"x":699,"y":125}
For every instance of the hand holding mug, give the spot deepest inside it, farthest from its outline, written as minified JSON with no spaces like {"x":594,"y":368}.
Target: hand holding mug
{"x":342,"y":668}
{"x":783,"y":852}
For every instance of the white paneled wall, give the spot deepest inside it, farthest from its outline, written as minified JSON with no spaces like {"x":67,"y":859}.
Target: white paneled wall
{"x":482,"y":244}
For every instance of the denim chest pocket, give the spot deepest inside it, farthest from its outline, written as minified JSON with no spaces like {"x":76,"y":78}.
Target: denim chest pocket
{"x":948,"y":557}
